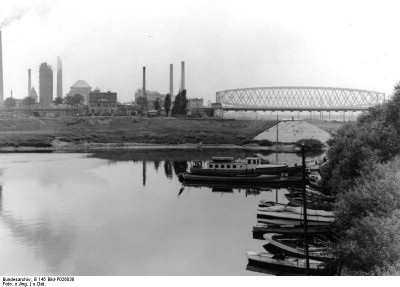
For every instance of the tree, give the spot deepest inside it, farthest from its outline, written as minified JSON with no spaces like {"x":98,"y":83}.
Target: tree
{"x":183,"y":103}
{"x":167,"y":104}
{"x":58,"y":101}
{"x":74,"y":100}
{"x":29,"y":101}
{"x":374,"y":137}
{"x":175,"y":107}
{"x":10,"y":102}
{"x":142,"y":104}
{"x":362,"y":170}
{"x":157,"y":105}
{"x":368,"y":220}
{"x":68,"y":100}
{"x":180,"y":104}
{"x":77,"y":100}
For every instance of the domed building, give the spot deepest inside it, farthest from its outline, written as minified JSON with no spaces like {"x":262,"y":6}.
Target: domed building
{"x":81,"y":87}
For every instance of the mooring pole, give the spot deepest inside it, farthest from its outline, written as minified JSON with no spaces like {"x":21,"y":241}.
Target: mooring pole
{"x":305,"y":209}
{"x":277,"y":142}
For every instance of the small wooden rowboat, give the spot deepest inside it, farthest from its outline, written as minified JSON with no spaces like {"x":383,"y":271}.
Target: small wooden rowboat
{"x":288,"y":229}
{"x":297,"y":265}
{"x":291,"y":218}
{"x":296,"y":247}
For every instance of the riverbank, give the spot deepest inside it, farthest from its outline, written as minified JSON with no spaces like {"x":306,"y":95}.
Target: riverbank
{"x":58,"y":146}
{"x":83,"y":134}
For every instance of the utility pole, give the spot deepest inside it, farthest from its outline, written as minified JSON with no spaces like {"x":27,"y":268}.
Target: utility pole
{"x":277,"y":142}
{"x":305,"y":209}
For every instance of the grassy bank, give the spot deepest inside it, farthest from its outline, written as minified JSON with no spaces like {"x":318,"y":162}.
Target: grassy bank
{"x":40,"y":132}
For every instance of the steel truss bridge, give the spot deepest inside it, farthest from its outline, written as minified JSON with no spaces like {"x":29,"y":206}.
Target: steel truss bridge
{"x":298,"y":99}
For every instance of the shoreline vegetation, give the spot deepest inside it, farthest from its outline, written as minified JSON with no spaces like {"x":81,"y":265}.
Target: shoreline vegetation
{"x":363,"y":173}
{"x":86,"y":134}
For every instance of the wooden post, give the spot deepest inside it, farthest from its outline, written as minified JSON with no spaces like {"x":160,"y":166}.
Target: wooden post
{"x":277,"y":145}
{"x":305,"y":209}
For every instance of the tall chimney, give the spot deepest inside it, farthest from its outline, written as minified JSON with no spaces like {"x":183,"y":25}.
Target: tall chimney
{"x":171,"y":80}
{"x":1,"y":73}
{"x":144,"y":81}
{"x":183,"y":76}
{"x":59,"y":78}
{"x":29,"y":82}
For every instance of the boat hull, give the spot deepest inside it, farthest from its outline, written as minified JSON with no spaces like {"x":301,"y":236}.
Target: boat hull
{"x":315,"y":252}
{"x":251,"y":179}
{"x":311,"y":203}
{"x":295,"y":230}
{"x":290,"y":218}
{"x":295,"y":265}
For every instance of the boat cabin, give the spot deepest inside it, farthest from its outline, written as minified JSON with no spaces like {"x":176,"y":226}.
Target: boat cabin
{"x":228,"y":163}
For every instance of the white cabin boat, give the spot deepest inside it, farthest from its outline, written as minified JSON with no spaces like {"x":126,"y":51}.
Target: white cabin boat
{"x":228,"y":166}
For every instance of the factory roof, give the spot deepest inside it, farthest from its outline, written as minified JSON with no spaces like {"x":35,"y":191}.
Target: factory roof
{"x":81,"y":84}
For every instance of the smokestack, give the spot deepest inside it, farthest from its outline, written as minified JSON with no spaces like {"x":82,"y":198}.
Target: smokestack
{"x":1,"y":73}
{"x":59,"y":78}
{"x":29,"y":82}
{"x":183,"y":76}
{"x":144,"y":81}
{"x":171,"y":80}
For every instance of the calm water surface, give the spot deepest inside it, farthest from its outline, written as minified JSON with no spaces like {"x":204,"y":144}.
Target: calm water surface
{"x":122,"y":214}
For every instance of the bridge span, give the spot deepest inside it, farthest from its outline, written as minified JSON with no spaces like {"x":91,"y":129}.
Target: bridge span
{"x":299,"y":99}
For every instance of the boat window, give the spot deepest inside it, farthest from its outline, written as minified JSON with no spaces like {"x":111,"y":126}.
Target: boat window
{"x":228,"y":166}
{"x":234,"y":166}
{"x":249,"y":161}
{"x":211,"y":165}
{"x":222,"y":166}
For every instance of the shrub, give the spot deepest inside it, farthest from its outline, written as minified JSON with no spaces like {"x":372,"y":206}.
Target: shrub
{"x":368,"y":220}
{"x":310,"y":144}
{"x":266,"y":143}
{"x":248,"y":141}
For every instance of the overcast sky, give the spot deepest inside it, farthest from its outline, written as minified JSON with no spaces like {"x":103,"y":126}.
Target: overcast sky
{"x":225,"y":44}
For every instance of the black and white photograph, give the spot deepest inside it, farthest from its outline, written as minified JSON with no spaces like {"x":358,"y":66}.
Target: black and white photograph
{"x":198,"y":138}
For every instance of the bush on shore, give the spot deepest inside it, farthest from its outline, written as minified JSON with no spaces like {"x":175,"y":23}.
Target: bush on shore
{"x":310,"y":144}
{"x":368,"y":220}
{"x":363,"y":172}
{"x":374,"y":137}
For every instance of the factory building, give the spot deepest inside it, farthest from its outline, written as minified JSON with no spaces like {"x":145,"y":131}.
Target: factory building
{"x":33,"y":94}
{"x":59,"y":78}
{"x":102,"y":103}
{"x":195,"y":106}
{"x":45,"y":85}
{"x":151,"y":96}
{"x":81,"y":88}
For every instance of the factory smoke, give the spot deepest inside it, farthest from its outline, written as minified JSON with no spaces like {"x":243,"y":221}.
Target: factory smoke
{"x":17,"y":14}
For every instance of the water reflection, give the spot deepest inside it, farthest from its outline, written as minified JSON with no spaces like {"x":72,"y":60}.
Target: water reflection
{"x":168,"y":169}
{"x":108,"y":214}
{"x":45,"y":240}
{"x":180,"y":166}
{"x":144,"y":172}
{"x":156,"y":164}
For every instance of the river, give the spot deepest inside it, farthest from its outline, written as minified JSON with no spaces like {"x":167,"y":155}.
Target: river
{"x":123,"y":213}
